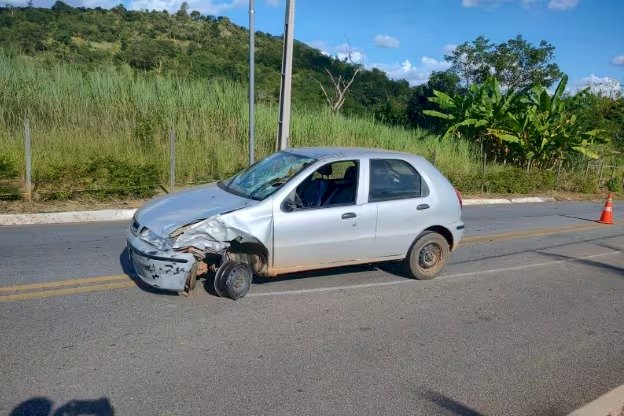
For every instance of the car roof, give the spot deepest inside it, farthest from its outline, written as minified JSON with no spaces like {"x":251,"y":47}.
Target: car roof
{"x":324,"y":152}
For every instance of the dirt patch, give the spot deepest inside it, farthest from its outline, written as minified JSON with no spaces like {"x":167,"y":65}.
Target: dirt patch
{"x":23,"y":207}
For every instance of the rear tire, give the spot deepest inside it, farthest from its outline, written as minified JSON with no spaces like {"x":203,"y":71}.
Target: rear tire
{"x":427,"y":256}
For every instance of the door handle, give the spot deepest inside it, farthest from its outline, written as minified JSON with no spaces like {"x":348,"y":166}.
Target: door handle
{"x":422,"y":207}
{"x":348,"y":215}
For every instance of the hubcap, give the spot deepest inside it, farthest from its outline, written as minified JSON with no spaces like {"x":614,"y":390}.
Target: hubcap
{"x":429,"y":256}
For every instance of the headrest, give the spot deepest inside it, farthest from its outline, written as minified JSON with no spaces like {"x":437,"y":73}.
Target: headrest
{"x":326,"y":170}
{"x":350,"y":173}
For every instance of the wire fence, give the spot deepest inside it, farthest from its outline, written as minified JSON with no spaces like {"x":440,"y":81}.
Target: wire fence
{"x":602,"y":174}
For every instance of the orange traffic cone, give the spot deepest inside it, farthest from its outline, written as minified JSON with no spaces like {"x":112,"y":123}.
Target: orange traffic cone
{"x":607,"y":212}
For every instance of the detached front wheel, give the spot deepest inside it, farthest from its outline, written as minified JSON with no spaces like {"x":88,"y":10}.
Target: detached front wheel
{"x":233,"y":279}
{"x":427,"y":257}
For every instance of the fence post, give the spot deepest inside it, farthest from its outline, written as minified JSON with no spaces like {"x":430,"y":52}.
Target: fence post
{"x":483,"y":181}
{"x":28,"y":155}
{"x":171,"y":160}
{"x":600,"y":171}
{"x":558,"y":174}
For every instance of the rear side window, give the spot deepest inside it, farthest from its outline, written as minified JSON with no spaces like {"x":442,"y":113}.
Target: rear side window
{"x":394,"y":179}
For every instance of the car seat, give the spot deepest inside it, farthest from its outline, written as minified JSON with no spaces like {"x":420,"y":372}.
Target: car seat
{"x":313,"y":193}
{"x":345,"y":190}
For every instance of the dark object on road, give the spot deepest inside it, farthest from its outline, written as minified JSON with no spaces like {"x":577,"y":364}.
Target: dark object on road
{"x":42,"y":406}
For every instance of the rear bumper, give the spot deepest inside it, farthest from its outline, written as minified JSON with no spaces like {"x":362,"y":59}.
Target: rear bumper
{"x":166,"y":270}
{"x":457,"y":229}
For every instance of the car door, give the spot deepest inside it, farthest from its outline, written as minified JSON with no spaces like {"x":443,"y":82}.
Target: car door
{"x":327,"y":229}
{"x":403,"y":203}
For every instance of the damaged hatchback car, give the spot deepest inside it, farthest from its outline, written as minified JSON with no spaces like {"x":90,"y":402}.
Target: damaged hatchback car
{"x":296,"y":210}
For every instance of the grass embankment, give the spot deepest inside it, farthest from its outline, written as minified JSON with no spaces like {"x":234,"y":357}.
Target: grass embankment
{"x":106,"y":132}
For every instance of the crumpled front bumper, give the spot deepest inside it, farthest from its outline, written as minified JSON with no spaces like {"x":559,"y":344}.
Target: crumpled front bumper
{"x":167,"y":270}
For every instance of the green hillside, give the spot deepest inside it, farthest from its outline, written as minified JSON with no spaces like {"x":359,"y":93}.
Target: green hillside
{"x":185,"y":45}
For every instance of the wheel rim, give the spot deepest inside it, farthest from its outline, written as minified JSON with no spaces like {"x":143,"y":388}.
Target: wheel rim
{"x":429,"y":256}
{"x":239,"y":279}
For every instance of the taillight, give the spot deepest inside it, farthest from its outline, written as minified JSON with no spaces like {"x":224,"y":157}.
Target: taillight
{"x":461,"y":202}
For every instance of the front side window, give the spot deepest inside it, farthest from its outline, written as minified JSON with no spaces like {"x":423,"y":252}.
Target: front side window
{"x":262,"y":179}
{"x":333,"y":184}
{"x":394,"y":179}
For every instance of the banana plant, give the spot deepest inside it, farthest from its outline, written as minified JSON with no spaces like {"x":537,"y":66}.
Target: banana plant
{"x":542,"y":130}
{"x":529,"y":125}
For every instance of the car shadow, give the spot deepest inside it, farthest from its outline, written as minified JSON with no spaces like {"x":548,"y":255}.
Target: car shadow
{"x":591,"y":240}
{"x":588,"y":262}
{"x":393,"y":268}
{"x":578,"y":218}
{"x":42,"y":406}
{"x":451,"y":405}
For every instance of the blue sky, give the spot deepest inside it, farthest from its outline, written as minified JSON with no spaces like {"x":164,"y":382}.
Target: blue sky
{"x":408,"y":38}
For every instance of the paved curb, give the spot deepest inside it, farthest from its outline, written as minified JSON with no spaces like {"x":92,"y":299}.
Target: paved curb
{"x":67,"y":217}
{"x":609,"y":404}
{"x":492,"y":201}
{"x":126,"y":214}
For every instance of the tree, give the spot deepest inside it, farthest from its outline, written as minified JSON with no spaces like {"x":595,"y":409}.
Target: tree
{"x":418,"y":102}
{"x":515,"y":64}
{"x":336,"y":98}
{"x":445,"y":81}
{"x":59,"y":6}
{"x":341,"y":83}
{"x":183,"y":10}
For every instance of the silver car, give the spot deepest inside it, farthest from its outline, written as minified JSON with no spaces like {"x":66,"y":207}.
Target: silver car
{"x":296,"y":210}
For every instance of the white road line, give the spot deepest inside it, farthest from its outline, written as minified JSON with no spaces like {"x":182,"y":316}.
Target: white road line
{"x":407,"y":281}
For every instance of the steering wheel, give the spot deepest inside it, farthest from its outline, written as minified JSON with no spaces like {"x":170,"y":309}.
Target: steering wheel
{"x":297,"y":200}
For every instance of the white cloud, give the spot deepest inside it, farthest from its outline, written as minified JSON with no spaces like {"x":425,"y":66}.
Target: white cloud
{"x":606,"y":86}
{"x":561,"y":5}
{"x":414,"y":74}
{"x":449,"y":48}
{"x":355,"y":56}
{"x":557,"y":5}
{"x":211,"y":7}
{"x":342,"y":51}
{"x":105,"y":4}
{"x":485,"y":4}
{"x":386,"y":41}
{"x":618,"y":60}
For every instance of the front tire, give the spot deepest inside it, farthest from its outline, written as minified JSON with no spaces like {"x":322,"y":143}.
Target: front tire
{"x":427,"y":256}
{"x":233,"y":280}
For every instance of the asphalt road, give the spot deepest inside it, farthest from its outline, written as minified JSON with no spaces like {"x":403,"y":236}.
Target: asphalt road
{"x":525,"y":321}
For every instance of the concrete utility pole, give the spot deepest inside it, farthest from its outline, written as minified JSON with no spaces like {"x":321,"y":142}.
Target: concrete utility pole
{"x":252,"y":81}
{"x":283,"y":133}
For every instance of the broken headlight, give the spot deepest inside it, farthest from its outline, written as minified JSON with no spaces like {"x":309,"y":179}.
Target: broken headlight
{"x":154,"y":239}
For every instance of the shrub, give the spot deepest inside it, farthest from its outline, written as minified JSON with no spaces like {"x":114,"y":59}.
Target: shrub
{"x":614,"y":185}
{"x":100,"y":177}
{"x":9,"y":188}
{"x":7,"y":168}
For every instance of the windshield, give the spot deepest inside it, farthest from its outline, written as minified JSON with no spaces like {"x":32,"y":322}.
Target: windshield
{"x":262,"y":179}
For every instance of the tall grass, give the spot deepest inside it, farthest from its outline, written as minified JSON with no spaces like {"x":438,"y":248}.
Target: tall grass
{"x":121,"y":115}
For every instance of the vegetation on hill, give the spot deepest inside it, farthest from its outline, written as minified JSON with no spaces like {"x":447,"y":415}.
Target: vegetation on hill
{"x":185,"y":45}
{"x":102,"y":88}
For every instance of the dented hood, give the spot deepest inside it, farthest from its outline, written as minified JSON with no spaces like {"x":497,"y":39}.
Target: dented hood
{"x":165,"y":214}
